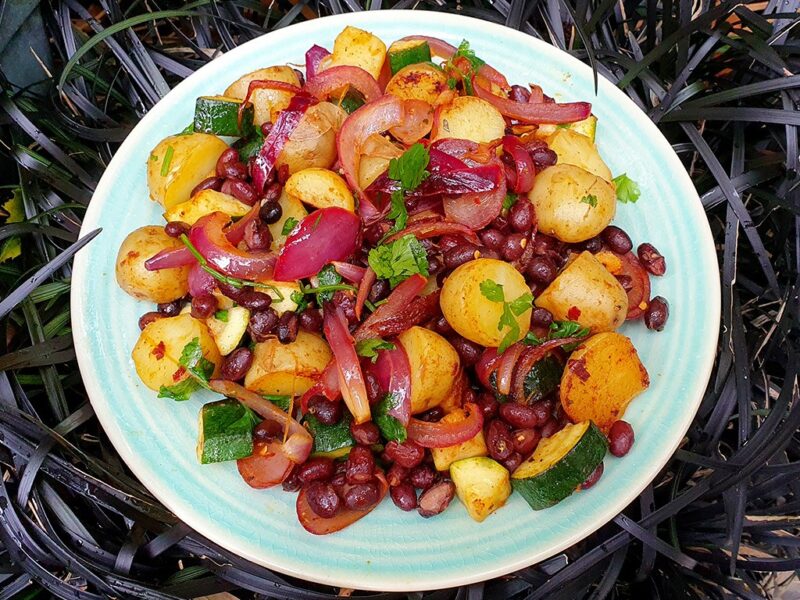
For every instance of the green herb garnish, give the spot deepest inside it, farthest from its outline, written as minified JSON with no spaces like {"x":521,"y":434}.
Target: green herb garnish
{"x":197,"y":366}
{"x":558,"y":330}
{"x":627,"y":188}
{"x":409,"y":169}
{"x":391,"y":428}
{"x":369,"y":348}
{"x":493,"y":291}
{"x":399,"y":260}
{"x":221,"y":315}
{"x":590,"y":199}
{"x":167,"y":161}
{"x":327,"y":277}
{"x":509,"y":201}
{"x":288,"y":225}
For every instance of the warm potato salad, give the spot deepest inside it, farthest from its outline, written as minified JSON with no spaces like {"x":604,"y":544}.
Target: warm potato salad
{"x":400,"y":273}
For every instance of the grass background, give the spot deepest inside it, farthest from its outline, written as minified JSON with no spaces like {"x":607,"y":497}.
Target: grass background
{"x":718,"y":77}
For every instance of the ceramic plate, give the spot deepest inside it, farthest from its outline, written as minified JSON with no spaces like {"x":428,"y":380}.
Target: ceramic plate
{"x":392,"y":550}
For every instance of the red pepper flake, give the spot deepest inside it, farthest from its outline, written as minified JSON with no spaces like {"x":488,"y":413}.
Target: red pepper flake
{"x":158,"y":351}
{"x":573,"y":313}
{"x":579,"y":368}
{"x":177,"y":375}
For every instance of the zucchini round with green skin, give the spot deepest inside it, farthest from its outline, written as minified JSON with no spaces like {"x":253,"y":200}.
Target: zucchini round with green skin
{"x":542,"y":379}
{"x":333,"y":441}
{"x":408,"y":52}
{"x":560,"y":464}
{"x":220,"y":115}
{"x":225,"y":431}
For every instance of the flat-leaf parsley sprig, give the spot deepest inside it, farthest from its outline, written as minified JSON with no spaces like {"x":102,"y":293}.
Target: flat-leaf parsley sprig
{"x":493,"y":291}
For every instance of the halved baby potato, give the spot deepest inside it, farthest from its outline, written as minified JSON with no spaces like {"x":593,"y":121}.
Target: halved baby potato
{"x":572,"y":204}
{"x":574,"y":148}
{"x":164,"y":285}
{"x":320,"y":188}
{"x":292,"y":209}
{"x":469,"y":118}
{"x":268,"y":103}
{"x":178,"y":163}
{"x":158,"y":350}
{"x":203,"y":203}
{"x":313,"y":142}
{"x":434,"y":366}
{"x":287,"y":369}
{"x":358,"y":48}
{"x":419,"y":81}
{"x":587,"y":293}
{"x":377,"y":152}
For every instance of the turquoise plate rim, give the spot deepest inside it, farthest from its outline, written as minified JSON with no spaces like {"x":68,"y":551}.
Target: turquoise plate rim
{"x":389,"y":550}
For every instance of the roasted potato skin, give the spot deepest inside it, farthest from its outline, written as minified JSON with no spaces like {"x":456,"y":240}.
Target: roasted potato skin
{"x":470,"y":313}
{"x":203,"y":203}
{"x":572,"y":204}
{"x":469,"y":118}
{"x":287,"y":369}
{"x":576,"y":149}
{"x":587,"y":293}
{"x":313,"y":142}
{"x":165,"y":285}
{"x":418,"y":82}
{"x":267,"y":103}
{"x":321,"y":188}
{"x":358,"y":48}
{"x":603,"y":375}
{"x":434,"y":366}
{"x":292,"y":208}
{"x":178,"y":163}
{"x":159,"y":347}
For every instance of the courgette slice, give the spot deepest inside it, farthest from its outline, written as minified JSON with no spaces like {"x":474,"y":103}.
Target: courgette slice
{"x":225,"y":431}
{"x":543,"y":378}
{"x":351,"y":101}
{"x":408,"y":52}
{"x":229,"y":332}
{"x":560,"y":464}
{"x":220,"y":115}
{"x":334,"y":440}
{"x":482,"y":485}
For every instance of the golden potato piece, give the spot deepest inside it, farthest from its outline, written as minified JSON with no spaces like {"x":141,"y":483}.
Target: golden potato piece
{"x":292,"y":209}
{"x":178,"y":163}
{"x":160,"y":286}
{"x":470,"y":312}
{"x":587,"y":293}
{"x":320,"y":188}
{"x":203,"y":203}
{"x":158,"y":350}
{"x":434,"y":366}
{"x":601,"y":378}
{"x":267,"y":103}
{"x":469,"y":118}
{"x":576,"y":149}
{"x":358,"y":48}
{"x":287,"y":369}
{"x":313,"y":142}
{"x":418,"y":82}
{"x":572,"y":204}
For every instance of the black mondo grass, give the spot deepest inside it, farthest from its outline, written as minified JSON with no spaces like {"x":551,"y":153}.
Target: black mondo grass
{"x":721,"y":79}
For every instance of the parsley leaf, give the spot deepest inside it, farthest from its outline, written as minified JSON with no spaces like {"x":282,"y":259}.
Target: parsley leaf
{"x":199,"y":368}
{"x":398,"y":213}
{"x":299,"y":299}
{"x":390,"y":427}
{"x":167,"y":160}
{"x":369,"y":348}
{"x":399,"y":260}
{"x":521,"y":304}
{"x":565,"y":329}
{"x":466,"y":52}
{"x":288,"y":225}
{"x":221,"y":315}
{"x":327,"y":276}
{"x":409,"y":168}
{"x":281,"y":402}
{"x":509,"y":201}
{"x":627,"y":188}
{"x":492,"y":290}
{"x":590,"y":199}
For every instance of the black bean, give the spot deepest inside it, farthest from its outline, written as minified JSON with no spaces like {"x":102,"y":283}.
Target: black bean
{"x":469,"y":352}
{"x":492,"y":238}
{"x":254,"y":300}
{"x":520,"y":216}
{"x":149,"y":317}
{"x":657,"y":313}
{"x":262,"y":324}
{"x":236,"y":364}
{"x":651,"y":259}
{"x":270,"y":212}
{"x":209,"y":183}
{"x":204,"y":306}
{"x":616,"y":239}
{"x":542,"y":269}
{"x":541,"y":317}
{"x":457,"y":256}
{"x":326,"y":411}
{"x":176,"y":229}
{"x":170,"y":309}
{"x":287,"y":327}
{"x":311,"y":320}
{"x":322,"y":499}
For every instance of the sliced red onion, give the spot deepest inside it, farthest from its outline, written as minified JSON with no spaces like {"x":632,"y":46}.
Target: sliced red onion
{"x":235,"y":233}
{"x":314,"y":56}
{"x":200,"y":281}
{"x":529,"y":357}
{"x":208,"y":237}
{"x":442,"y":435}
{"x":317,"y":525}
{"x":463,"y":180}
{"x":429,"y":229}
{"x":417,"y":123}
{"x":283,"y":128}
{"x":363,"y":290}
{"x":326,"y":235}
{"x":169,"y":259}
{"x":327,"y":384}
{"x":538,"y":113}
{"x":476,"y":210}
{"x":351,"y":379}
{"x":337,"y":78}
{"x":524,"y":167}
{"x":505,"y":370}
{"x":486,"y":365}
{"x":353,"y":273}
{"x":400,"y":298}
{"x":393,"y":375}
